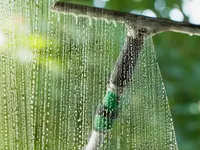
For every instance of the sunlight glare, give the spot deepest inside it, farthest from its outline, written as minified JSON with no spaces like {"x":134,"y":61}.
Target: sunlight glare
{"x":146,"y":12}
{"x":160,"y":5}
{"x":149,"y":13}
{"x":2,"y":38}
{"x":191,"y":9}
{"x":100,"y":3}
{"x":176,"y":15}
{"x":24,"y":55}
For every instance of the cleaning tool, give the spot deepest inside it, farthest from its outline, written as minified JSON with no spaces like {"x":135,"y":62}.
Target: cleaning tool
{"x":138,"y":29}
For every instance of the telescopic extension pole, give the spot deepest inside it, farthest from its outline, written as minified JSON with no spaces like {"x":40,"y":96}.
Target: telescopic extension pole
{"x":120,"y":77}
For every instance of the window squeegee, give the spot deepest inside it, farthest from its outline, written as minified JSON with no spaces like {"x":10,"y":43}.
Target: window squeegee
{"x":138,"y":29}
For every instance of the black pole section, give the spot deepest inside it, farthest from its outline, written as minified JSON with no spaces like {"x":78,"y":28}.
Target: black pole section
{"x":127,"y":60}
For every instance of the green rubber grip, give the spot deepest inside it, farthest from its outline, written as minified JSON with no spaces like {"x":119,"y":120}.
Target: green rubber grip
{"x":107,"y":112}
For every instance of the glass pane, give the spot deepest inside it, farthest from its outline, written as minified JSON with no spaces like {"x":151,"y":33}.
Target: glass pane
{"x":54,"y":72}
